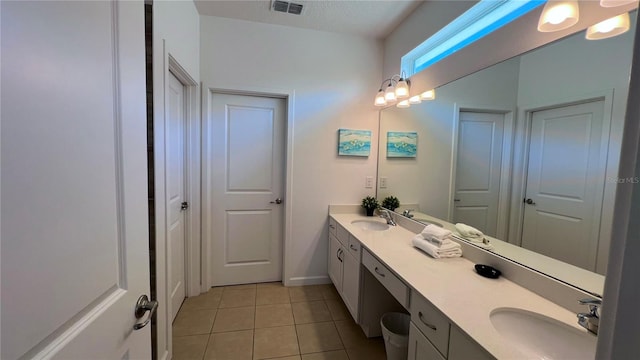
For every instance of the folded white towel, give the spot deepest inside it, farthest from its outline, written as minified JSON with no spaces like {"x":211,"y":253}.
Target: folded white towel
{"x":449,"y":250}
{"x":469,"y":232}
{"x":435,"y":234}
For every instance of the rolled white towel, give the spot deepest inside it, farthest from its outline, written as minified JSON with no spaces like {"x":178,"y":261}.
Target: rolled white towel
{"x":469,"y":232}
{"x":435,"y":234}
{"x":450,"y":250}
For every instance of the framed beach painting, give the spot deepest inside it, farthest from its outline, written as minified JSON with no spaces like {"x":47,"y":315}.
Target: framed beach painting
{"x":354,"y":142}
{"x":402,"y":144}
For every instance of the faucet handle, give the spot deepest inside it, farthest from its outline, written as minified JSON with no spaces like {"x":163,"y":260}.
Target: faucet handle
{"x":593,"y":304}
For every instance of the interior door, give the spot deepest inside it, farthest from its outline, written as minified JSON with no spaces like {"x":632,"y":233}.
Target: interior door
{"x":564,"y":183}
{"x":75,"y":242}
{"x":175,"y":179}
{"x":478,"y":165}
{"x":247,"y":167}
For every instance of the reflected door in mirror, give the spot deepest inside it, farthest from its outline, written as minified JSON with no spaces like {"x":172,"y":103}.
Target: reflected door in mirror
{"x":564,"y":182}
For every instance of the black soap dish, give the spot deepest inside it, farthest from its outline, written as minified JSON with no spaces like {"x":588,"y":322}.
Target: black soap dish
{"x":487,"y":271}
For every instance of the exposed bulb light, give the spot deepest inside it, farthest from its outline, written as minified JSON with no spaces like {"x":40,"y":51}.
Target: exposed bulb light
{"x":558,"y":15}
{"x":609,"y":28}
{"x":390,"y":94}
{"x":428,"y":95}
{"x":614,"y":3}
{"x":415,"y":100}
{"x":402,"y":89}
{"x":380,"y":100}
{"x":403,"y":104}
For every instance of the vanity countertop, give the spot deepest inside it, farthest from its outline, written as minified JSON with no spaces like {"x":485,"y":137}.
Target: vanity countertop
{"x":453,"y":286}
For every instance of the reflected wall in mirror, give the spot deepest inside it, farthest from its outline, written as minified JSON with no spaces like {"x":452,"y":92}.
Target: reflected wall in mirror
{"x":526,"y":150}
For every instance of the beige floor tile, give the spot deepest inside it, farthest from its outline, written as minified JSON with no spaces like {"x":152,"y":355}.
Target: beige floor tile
{"x":273,"y":315}
{"x":237,"y":298}
{"x":193,"y":322}
{"x":235,"y":345}
{"x":272,"y":295}
{"x":373,"y":351}
{"x":275,"y":342}
{"x":234,"y":319}
{"x":338,"y":310}
{"x":351,"y":334}
{"x":295,"y":357}
{"x":318,"y":337}
{"x":310,"y":312}
{"x":240,"y":287}
{"x":305,"y":293}
{"x":208,"y":300}
{"x":276,"y":284}
{"x":329,"y":355}
{"x":329,"y":292}
{"x":189,"y":347}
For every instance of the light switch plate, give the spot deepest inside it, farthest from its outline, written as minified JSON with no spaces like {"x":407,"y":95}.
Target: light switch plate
{"x":383,"y":182}
{"x":368,"y":182}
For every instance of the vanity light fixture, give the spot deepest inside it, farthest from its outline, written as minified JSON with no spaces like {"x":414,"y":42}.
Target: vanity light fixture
{"x":397,"y":89}
{"x":428,"y":95}
{"x":415,"y":100}
{"x":558,"y":15}
{"x":609,"y":28}
{"x":614,"y":3}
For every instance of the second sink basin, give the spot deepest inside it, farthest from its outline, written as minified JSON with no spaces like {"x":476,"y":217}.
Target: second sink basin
{"x":541,"y":337}
{"x":371,"y":225}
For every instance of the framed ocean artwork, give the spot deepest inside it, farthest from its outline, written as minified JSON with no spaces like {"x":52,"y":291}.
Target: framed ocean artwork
{"x":402,"y":144}
{"x":354,"y":142}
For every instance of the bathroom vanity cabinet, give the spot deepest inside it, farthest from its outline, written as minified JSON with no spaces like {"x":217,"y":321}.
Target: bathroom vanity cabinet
{"x":344,"y":266}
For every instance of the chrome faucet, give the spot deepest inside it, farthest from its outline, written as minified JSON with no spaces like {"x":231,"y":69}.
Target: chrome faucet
{"x":590,"y":320}
{"x":407,"y":213}
{"x":384,"y":213}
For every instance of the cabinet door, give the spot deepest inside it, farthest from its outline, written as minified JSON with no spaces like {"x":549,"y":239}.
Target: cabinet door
{"x":461,"y":347}
{"x":420,"y":348}
{"x":351,"y":284}
{"x":336,"y":254}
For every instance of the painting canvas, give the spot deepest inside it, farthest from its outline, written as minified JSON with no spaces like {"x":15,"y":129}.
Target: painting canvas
{"x":402,"y":144}
{"x":354,"y":142}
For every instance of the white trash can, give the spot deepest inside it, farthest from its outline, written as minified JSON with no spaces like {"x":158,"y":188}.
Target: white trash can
{"x":395,"y":331}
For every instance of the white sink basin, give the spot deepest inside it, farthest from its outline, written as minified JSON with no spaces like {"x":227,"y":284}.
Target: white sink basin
{"x":370,"y":225}
{"x":540,"y":337}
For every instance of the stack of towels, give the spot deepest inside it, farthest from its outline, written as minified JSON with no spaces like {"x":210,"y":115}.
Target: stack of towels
{"x":437,"y":242}
{"x":473,"y":235}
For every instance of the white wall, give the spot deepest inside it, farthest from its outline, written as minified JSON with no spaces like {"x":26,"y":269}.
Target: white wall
{"x":176,"y":32}
{"x":334,"y":77}
{"x":426,"y":179}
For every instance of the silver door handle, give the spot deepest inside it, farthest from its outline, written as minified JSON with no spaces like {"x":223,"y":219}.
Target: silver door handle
{"x":184,"y":206}
{"x":276,"y":201}
{"x":142,"y":306}
{"x":529,"y":201}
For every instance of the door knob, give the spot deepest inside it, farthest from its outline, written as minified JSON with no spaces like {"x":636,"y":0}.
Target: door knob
{"x":184,"y":206}
{"x":142,"y":306}
{"x":529,"y":202}
{"x":276,"y":201}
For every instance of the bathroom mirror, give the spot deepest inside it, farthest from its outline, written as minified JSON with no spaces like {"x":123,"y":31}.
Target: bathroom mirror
{"x":527,"y":151}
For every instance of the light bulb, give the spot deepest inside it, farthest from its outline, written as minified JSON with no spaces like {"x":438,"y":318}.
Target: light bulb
{"x":609,"y":28}
{"x":402,"y":89}
{"x":415,"y":100}
{"x":428,"y":95}
{"x":403,"y":104}
{"x":380,"y":100}
{"x":390,"y":94}
{"x":558,"y":15}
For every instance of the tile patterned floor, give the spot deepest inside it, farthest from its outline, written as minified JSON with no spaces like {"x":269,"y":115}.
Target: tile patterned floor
{"x":270,"y":321}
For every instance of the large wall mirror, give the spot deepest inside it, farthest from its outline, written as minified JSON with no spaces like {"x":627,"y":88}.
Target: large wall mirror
{"x":527,"y":151}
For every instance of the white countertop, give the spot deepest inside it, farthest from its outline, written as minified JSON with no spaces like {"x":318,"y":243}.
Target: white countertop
{"x":453,"y":286}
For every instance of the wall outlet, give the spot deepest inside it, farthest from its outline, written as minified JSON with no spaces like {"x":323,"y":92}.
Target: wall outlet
{"x":383,"y":182}
{"x":368,"y":182}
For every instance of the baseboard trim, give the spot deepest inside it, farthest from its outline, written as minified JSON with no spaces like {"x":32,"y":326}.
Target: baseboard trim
{"x":307,"y":280}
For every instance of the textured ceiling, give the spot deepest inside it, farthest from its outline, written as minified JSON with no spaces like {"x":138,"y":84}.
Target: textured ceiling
{"x":370,"y":18}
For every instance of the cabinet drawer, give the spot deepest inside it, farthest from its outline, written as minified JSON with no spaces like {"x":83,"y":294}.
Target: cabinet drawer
{"x":388,"y":279}
{"x":333,"y":225}
{"x":430,"y":321}
{"x":342,"y":234}
{"x":354,"y":247}
{"x":420,"y":348}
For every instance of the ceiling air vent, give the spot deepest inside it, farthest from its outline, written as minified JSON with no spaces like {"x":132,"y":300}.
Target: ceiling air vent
{"x":286,"y":7}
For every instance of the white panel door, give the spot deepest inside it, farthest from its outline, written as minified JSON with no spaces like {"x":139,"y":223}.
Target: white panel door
{"x":247,"y":167}
{"x":478,"y":166}
{"x":175,"y":175}
{"x":75,"y":242}
{"x":564,"y":183}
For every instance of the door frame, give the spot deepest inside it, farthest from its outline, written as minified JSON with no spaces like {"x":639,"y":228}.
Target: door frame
{"x":521,"y":160}
{"x":192,"y":190}
{"x":207,"y":246}
{"x":505,"y":163}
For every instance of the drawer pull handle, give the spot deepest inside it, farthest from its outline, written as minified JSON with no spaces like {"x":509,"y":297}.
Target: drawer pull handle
{"x":353,"y":247}
{"x":432,"y":327}
{"x":338,"y":254}
{"x":378,"y":272}
{"x":331,"y":226}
